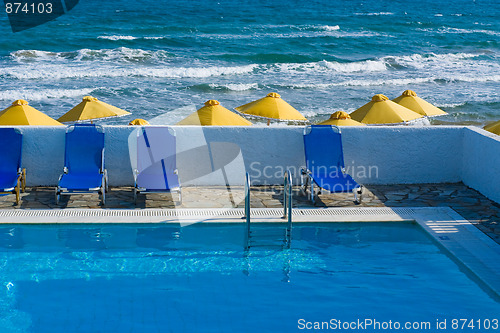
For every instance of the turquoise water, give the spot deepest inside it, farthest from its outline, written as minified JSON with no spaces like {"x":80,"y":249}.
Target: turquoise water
{"x":156,"y":57}
{"x":167,"y":278}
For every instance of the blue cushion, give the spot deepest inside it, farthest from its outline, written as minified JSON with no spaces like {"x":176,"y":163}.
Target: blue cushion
{"x":81,"y":182}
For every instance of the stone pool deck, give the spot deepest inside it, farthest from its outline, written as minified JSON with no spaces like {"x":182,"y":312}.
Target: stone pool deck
{"x":479,"y":210}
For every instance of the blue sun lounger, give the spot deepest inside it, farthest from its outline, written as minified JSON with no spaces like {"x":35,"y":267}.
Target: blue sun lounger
{"x":12,"y":176}
{"x":84,"y":170}
{"x":325,"y":163}
{"x":153,"y":161}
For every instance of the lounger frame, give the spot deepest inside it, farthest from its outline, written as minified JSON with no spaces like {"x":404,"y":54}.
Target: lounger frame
{"x":21,"y":175}
{"x":307,"y":180}
{"x":142,"y":190}
{"x":101,"y":190}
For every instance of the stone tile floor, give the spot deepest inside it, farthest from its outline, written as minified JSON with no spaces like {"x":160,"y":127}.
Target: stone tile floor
{"x":479,"y":210}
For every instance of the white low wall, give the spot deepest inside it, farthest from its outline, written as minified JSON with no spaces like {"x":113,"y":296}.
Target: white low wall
{"x":481,"y":162}
{"x":219,"y":155}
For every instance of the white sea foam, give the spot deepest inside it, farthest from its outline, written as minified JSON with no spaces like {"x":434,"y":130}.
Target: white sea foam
{"x":122,"y":54}
{"x":449,"y":105}
{"x":298,"y":32}
{"x":43,"y":94}
{"x":329,"y":27}
{"x":483,"y":78}
{"x":118,"y":63}
{"x":392,"y":82}
{"x":374,"y":14}
{"x":359,"y":66}
{"x":420,"y":61}
{"x":322,"y":66}
{"x":468,"y":31}
{"x":450,"y":30}
{"x":235,"y":86}
{"x":118,"y":37}
{"x":22,"y":56}
{"x":359,"y":83}
{"x":50,"y":71}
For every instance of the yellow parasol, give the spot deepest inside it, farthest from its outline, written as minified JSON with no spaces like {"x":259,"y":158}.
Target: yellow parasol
{"x":214,"y":114}
{"x":20,"y":113}
{"x":341,"y":118}
{"x":271,"y":107}
{"x":383,"y":111}
{"x":138,"y":122}
{"x":91,"y":108}
{"x":493,"y":128}
{"x":410,"y":100}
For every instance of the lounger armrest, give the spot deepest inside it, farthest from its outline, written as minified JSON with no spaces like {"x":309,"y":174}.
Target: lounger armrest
{"x":60,"y":177}
{"x":103,"y":168}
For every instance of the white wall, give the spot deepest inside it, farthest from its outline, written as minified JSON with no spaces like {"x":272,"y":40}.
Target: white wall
{"x":404,"y":154}
{"x":373,"y":155}
{"x":481,"y":162}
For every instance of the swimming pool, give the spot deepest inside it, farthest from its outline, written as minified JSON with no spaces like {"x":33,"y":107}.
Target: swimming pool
{"x":197,"y":278}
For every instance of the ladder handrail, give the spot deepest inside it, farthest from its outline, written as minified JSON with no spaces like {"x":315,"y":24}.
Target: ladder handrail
{"x":287,"y":195}
{"x":247,"y":210}
{"x":287,"y":205}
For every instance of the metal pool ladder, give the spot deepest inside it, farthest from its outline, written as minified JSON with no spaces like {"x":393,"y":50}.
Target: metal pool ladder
{"x":287,"y":207}
{"x":287,"y":213}
{"x":247,"y":211}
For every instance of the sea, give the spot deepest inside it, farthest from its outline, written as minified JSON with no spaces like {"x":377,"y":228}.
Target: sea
{"x":163,"y":59}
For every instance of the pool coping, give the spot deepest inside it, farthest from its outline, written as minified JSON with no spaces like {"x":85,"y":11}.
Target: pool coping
{"x":471,"y":247}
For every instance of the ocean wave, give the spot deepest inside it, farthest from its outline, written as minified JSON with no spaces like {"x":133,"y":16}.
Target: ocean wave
{"x":118,"y":37}
{"x":43,"y":94}
{"x":374,"y":14}
{"x":22,"y":56}
{"x":469,"y":31}
{"x":316,"y":27}
{"x":303,"y":27}
{"x":356,"y":83}
{"x":234,"y":86}
{"x":303,"y":31}
{"x":424,"y":60}
{"x":392,"y":82}
{"x":450,"y":105}
{"x":414,"y":61}
{"x":342,"y":67}
{"x":121,"y":54}
{"x":84,"y":63}
{"x":207,"y":87}
{"x":58,"y":72}
{"x":450,"y":30}
{"x":329,"y":27}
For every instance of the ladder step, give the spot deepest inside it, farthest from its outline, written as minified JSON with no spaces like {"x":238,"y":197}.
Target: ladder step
{"x":268,"y":234}
{"x":267,"y":245}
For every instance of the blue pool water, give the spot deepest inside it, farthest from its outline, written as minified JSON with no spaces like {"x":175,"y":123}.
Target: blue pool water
{"x":140,"y":278}
{"x":154,"y":57}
